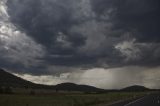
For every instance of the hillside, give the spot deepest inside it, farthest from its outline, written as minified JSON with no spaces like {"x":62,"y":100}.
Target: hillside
{"x":7,"y":79}
{"x":135,"y":88}
{"x":10,"y":80}
{"x":75,"y":87}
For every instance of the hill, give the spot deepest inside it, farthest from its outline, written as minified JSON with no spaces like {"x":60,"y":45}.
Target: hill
{"x":9,"y":80}
{"x":76,"y":87}
{"x":135,"y":88}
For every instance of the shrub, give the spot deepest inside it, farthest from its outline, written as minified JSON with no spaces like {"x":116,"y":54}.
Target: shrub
{"x":8,"y":90}
{"x":32,"y":92}
{"x":1,"y":90}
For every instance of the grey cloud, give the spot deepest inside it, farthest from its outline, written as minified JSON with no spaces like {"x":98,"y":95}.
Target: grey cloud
{"x":17,"y":50}
{"x":142,"y":16}
{"x":90,"y":33}
{"x":113,"y":78}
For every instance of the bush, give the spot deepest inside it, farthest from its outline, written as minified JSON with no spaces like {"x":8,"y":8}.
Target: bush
{"x":8,"y":90}
{"x":1,"y":90}
{"x":32,"y":92}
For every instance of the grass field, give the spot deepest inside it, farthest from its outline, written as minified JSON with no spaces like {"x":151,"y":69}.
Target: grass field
{"x":74,"y":99}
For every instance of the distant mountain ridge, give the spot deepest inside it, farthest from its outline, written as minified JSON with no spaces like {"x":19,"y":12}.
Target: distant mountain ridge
{"x":135,"y":88}
{"x":10,"y":80}
{"x":7,"y":79}
{"x":76,"y":87}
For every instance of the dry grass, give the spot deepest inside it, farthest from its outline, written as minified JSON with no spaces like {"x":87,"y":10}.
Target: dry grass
{"x":76,"y":99}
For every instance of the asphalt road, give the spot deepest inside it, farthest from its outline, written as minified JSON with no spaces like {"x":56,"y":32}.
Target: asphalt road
{"x":149,"y":100}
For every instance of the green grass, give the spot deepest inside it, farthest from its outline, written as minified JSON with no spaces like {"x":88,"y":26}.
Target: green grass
{"x":76,"y":99}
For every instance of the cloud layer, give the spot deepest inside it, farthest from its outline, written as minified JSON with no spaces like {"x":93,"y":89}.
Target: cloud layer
{"x":17,"y":50}
{"x":114,"y":78}
{"x":61,"y":36}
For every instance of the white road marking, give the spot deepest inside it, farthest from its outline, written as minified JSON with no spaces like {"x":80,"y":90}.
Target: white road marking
{"x":135,"y":101}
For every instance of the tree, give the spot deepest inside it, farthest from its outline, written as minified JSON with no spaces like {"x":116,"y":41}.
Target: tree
{"x":1,"y":90}
{"x":8,"y":90}
{"x":56,"y":90}
{"x":32,"y":92}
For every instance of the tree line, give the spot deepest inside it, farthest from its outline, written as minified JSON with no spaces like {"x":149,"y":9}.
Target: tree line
{"x":6,"y":90}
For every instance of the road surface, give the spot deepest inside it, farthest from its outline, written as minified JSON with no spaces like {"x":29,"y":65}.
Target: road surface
{"x":149,"y":100}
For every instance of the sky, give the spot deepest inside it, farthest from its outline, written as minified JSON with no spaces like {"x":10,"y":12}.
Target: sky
{"x":109,"y":44}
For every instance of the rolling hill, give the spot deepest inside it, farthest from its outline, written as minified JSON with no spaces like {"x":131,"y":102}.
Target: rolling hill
{"x":135,"y":88}
{"x":9,"y":80}
{"x":75,"y":87}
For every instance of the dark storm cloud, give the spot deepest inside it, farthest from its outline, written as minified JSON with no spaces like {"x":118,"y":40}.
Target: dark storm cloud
{"x":43,"y":20}
{"x":48,"y":23}
{"x":91,"y":33}
{"x":142,"y":16}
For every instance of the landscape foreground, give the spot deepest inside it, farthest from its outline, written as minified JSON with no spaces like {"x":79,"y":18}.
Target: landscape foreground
{"x":67,"y":99}
{"x":15,"y":91}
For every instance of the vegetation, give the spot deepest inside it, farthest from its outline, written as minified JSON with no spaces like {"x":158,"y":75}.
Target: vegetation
{"x":70,"y":99}
{"x":9,"y":80}
{"x":1,"y":90}
{"x":32,"y":92}
{"x":25,"y":93}
{"x":6,"y":90}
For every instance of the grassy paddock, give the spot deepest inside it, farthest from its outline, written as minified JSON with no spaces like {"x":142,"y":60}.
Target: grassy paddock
{"x":77,"y":99}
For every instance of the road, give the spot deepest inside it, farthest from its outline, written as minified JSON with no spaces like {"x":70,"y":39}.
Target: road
{"x":149,"y":100}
